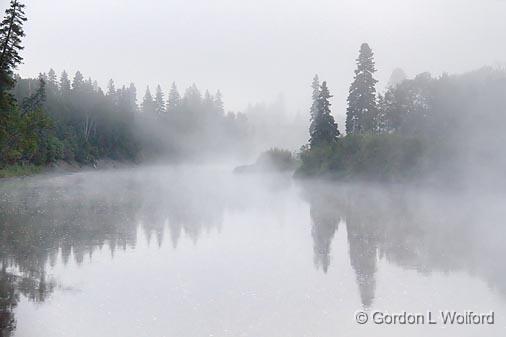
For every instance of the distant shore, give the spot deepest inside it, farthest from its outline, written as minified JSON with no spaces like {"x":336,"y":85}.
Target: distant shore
{"x":61,"y":166}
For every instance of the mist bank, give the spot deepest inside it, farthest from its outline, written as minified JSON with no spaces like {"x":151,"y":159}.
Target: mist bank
{"x":50,"y":119}
{"x":73,"y":218}
{"x":442,"y":130}
{"x":76,"y":121}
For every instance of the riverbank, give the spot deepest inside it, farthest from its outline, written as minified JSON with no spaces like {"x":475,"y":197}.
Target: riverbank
{"x":12,"y":171}
{"x":61,"y":166}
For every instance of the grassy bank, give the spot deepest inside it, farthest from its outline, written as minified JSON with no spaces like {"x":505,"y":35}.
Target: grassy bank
{"x":19,"y":170}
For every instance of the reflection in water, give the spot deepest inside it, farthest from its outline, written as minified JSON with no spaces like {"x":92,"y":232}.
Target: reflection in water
{"x":412,"y":229}
{"x":70,"y":217}
{"x":74,"y":216}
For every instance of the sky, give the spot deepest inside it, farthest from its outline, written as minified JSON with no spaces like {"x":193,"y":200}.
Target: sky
{"x":254,"y":51}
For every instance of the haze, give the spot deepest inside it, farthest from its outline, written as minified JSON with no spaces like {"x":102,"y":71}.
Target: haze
{"x":254,"y":50}
{"x":318,"y":162}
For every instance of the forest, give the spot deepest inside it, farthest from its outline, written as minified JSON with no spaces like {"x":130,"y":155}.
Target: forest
{"x":55,"y":118}
{"x":440,"y":128}
{"x":425,"y":126}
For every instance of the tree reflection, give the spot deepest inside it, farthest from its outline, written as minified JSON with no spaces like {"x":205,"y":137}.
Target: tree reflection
{"x":71,"y":217}
{"x":414,"y":229}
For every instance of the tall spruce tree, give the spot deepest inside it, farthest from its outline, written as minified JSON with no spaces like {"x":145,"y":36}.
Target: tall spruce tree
{"x":111,"y":88}
{"x":52,"y":82}
{"x":314,"y":107}
{"x":174,"y":99}
{"x":78,"y":81}
{"x":148,"y":104}
{"x":362,"y":110}
{"x":323,"y":128}
{"x":132,"y":97}
{"x":11,"y":32}
{"x":64,"y":84}
{"x":37,"y":99}
{"x":159,"y":101}
{"x":208,"y":103}
{"x":218,"y":103}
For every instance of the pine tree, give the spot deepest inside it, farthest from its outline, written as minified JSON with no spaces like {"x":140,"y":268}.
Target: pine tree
{"x":218,"y":103}
{"x":208,"y":103}
{"x":11,"y":32}
{"x":314,"y":107}
{"x":323,"y":127}
{"x":362,"y":110}
{"x":132,"y":97}
{"x":159,"y":101}
{"x":52,"y":82}
{"x":174,"y":100}
{"x":78,"y":81}
{"x":148,"y":104}
{"x":64,"y":84}
{"x":36,"y":100}
{"x":111,"y":89}
{"x":192,"y":98}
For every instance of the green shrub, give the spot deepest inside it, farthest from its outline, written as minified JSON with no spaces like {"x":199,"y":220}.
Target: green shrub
{"x":380,"y":157}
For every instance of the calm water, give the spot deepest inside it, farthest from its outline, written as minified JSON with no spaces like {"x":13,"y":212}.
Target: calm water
{"x":202,"y":252}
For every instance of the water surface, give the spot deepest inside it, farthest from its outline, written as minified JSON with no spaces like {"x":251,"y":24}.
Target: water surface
{"x":187,"y":251}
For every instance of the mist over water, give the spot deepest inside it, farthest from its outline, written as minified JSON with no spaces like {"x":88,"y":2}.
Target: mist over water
{"x":226,"y":168}
{"x":199,"y":251}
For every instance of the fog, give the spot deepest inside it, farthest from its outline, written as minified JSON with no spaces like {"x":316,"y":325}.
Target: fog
{"x":252,"y":168}
{"x":254,"y":50}
{"x":194,"y":250}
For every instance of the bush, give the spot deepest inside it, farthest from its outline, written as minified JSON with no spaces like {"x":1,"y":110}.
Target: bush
{"x":19,"y":170}
{"x":271,"y":160}
{"x":279,"y":159}
{"x":380,"y":157}
{"x":55,"y":149}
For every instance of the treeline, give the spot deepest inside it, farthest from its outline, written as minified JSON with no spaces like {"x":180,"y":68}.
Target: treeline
{"x":447,"y":126}
{"x":189,"y":125}
{"x":58,"y":118}
{"x":84,"y":122}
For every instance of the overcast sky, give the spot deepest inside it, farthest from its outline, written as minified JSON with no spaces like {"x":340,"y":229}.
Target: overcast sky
{"x":254,"y":50}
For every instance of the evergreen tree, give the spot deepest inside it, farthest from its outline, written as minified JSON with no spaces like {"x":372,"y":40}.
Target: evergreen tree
{"x":314,"y":107}
{"x":208,"y":103}
{"x":174,"y":99}
{"x":78,"y":81}
{"x":148,"y":104}
{"x":192,"y":98}
{"x":362,"y":110}
{"x":132,"y":97}
{"x":218,"y":103}
{"x":111,"y":89}
{"x":323,"y":127}
{"x":52,"y":82}
{"x":64,"y":84}
{"x":11,"y":32}
{"x":159,"y":101}
{"x":35,"y":101}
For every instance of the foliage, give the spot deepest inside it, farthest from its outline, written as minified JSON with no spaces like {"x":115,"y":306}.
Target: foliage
{"x":11,"y":32}
{"x":278,"y":160}
{"x":444,"y":128}
{"x":361,"y":115}
{"x":19,"y":170}
{"x":323,"y":128}
{"x":189,"y":125}
{"x":383,"y":157}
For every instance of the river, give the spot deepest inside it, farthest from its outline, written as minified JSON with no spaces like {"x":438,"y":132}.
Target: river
{"x":200,"y":251}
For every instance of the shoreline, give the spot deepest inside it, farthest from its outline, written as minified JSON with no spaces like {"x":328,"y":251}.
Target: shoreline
{"x":25,"y":171}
